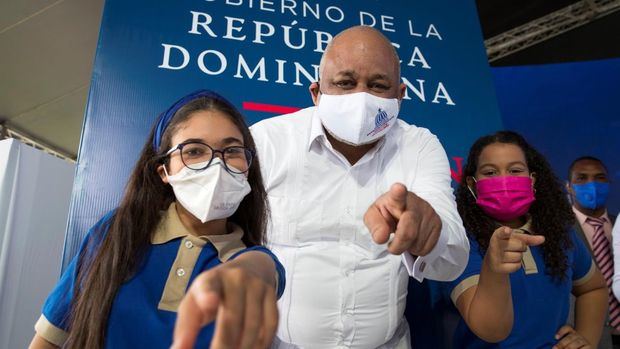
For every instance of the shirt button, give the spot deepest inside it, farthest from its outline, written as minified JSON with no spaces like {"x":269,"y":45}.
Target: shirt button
{"x":189,"y":244}
{"x":180,"y":272}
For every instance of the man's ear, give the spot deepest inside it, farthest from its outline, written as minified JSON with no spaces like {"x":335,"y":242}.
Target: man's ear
{"x":161,"y":171}
{"x":571,"y":193}
{"x":314,"y":92}
{"x":402,"y":91}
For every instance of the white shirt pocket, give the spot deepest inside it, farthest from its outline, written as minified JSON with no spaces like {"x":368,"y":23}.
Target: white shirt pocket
{"x":278,"y":229}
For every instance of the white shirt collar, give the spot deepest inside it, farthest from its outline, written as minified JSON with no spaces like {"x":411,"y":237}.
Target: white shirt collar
{"x":581,"y":217}
{"x":316,"y":129}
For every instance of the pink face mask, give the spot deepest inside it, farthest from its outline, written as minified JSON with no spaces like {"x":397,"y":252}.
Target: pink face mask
{"x":505,"y":198}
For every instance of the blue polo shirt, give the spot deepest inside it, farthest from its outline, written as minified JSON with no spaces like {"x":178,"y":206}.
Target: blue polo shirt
{"x":143,"y":312}
{"x":541,"y":304}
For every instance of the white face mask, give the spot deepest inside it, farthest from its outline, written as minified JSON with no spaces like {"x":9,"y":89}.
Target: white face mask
{"x":357,"y":118}
{"x":209,"y":194}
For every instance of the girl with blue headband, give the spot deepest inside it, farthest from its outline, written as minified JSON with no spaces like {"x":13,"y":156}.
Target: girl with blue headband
{"x":193,"y":214}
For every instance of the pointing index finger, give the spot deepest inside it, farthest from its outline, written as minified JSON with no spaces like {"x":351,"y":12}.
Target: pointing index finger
{"x":397,"y":197}
{"x":198,"y":308}
{"x":530,"y":240}
{"x":191,"y":319}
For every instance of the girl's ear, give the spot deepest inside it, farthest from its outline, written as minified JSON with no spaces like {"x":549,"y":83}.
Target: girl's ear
{"x":471,"y":182}
{"x":161,"y":171}
{"x":471,"y":185}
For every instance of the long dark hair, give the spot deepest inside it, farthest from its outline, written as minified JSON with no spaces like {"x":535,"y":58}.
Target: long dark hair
{"x":125,"y":238}
{"x":551,"y":213}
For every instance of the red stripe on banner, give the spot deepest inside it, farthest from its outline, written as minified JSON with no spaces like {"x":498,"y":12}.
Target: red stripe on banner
{"x":269,"y":108}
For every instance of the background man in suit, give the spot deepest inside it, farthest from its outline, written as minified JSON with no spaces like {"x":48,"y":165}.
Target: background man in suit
{"x":588,"y":186}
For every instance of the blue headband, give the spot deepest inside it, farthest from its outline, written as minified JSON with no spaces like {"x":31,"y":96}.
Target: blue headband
{"x":166,"y":117}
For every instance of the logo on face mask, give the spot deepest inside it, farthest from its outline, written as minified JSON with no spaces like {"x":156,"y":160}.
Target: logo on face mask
{"x":226,"y":206}
{"x":382,"y":121}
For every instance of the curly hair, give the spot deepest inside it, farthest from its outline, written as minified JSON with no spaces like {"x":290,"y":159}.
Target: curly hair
{"x":551,"y":213}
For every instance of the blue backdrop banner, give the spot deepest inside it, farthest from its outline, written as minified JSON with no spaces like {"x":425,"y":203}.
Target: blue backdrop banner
{"x":566,"y":111}
{"x":262,"y":55}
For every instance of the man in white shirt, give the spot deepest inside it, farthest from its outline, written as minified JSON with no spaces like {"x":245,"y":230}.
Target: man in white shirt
{"x":345,"y":286}
{"x":341,"y":177}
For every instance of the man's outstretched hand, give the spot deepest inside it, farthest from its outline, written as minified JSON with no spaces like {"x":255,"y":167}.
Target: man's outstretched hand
{"x":415,"y":224}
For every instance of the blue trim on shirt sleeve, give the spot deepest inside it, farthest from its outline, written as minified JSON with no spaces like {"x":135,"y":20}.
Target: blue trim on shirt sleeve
{"x":279,"y":266}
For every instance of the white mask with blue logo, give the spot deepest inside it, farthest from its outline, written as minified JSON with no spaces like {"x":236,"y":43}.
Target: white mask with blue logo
{"x":357,"y":118}
{"x":209,"y":194}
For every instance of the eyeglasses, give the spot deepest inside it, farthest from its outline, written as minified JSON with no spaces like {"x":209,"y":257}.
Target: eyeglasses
{"x":198,"y":156}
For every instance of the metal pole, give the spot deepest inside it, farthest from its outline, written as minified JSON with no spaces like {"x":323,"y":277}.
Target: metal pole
{"x":548,"y":26}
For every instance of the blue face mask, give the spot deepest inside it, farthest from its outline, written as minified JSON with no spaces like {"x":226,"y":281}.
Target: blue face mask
{"x":591,"y":195}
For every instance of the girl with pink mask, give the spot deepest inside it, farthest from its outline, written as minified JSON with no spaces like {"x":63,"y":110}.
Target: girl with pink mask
{"x":525,"y":259}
